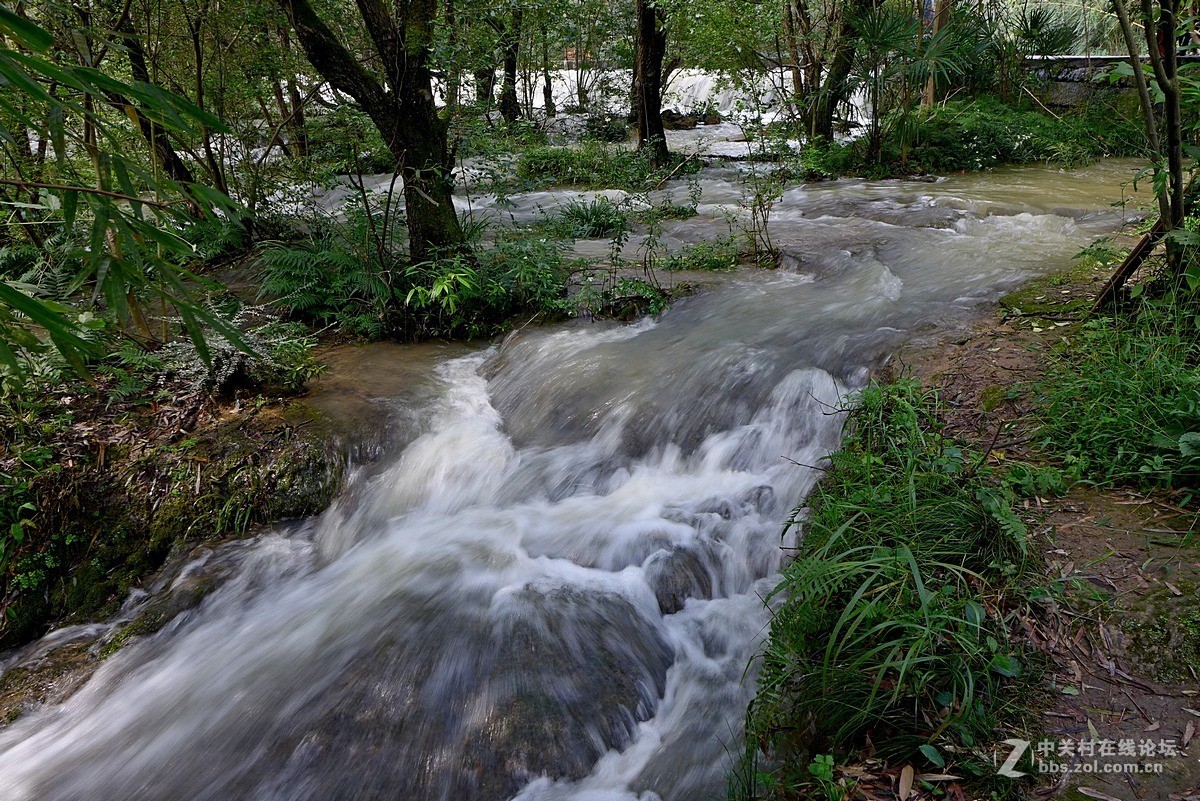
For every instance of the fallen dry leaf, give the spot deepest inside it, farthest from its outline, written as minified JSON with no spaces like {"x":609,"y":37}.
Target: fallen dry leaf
{"x":1090,"y":793}
{"x":906,"y":783}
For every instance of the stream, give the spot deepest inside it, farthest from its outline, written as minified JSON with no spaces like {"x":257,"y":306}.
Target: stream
{"x":552,"y":586}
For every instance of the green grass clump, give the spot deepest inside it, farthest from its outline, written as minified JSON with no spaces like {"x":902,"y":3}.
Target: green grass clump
{"x":1121,"y":402}
{"x":593,"y":219}
{"x":715,"y":254}
{"x":891,"y":631}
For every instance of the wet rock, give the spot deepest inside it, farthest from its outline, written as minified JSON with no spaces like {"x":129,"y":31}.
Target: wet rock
{"x":677,"y":575}
{"x":674,"y":121}
{"x":471,"y":704}
{"x":761,"y":498}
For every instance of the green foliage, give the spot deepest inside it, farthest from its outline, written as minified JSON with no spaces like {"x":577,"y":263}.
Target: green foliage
{"x":1121,"y":402}
{"x":891,"y":625}
{"x":593,"y":165}
{"x":127,"y":249}
{"x":626,"y":299}
{"x":712,"y":254}
{"x":603,"y":128}
{"x":337,"y":278}
{"x":1045,"y":31}
{"x":593,"y":219}
{"x":344,"y":140}
{"x":983,"y":133}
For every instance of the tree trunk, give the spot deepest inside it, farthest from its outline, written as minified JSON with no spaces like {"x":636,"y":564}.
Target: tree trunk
{"x":940,"y":18}
{"x":510,"y":107}
{"x":296,"y":122}
{"x":155,"y":135}
{"x":485,"y":87}
{"x":404,"y":113}
{"x":833,"y":91}
{"x":651,"y":47}
{"x":1160,"y":28}
{"x":547,"y":82}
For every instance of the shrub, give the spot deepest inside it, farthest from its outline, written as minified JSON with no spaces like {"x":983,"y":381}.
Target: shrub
{"x":334,"y":279}
{"x":982,"y":133}
{"x":592,"y":165}
{"x":715,"y":254}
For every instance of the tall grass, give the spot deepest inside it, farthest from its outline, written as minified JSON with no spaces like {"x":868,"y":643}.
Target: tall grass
{"x":890,"y":630}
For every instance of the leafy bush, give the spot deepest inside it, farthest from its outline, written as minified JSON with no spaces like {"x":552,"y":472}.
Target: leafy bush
{"x":1121,"y":402}
{"x":626,"y":299}
{"x":891,"y":630}
{"x":337,"y":278}
{"x":606,"y":129}
{"x":343,"y":139}
{"x":714,"y":254}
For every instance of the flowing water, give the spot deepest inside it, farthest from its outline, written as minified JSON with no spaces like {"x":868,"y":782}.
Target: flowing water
{"x":553,"y":589}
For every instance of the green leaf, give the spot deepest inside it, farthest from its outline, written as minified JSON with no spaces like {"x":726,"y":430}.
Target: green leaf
{"x":1006,"y":666}
{"x":27,"y":33}
{"x":933,"y":755}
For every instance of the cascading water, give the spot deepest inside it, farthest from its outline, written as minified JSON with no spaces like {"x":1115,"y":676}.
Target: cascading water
{"x":553,"y":592}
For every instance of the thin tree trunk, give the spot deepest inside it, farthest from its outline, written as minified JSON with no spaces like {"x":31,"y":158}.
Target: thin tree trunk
{"x":165,"y":153}
{"x":296,"y":122}
{"x":833,"y":90}
{"x":940,"y":19}
{"x":510,"y":107}
{"x":485,"y":87}
{"x":1143,"y":90}
{"x":1164,"y":64}
{"x":547,"y":81}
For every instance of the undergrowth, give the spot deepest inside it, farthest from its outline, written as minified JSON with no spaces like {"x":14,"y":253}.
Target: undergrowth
{"x":890,"y":634}
{"x":339,"y":277}
{"x":594,"y":165}
{"x":966,"y":135}
{"x":1120,"y":403}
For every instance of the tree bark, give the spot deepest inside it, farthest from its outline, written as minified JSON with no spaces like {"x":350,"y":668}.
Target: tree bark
{"x":941,"y":17}
{"x":1143,"y":90}
{"x":651,"y":47}
{"x":403,"y":111}
{"x":510,"y":106}
{"x":174,"y":166}
{"x":833,"y":90}
{"x":547,"y":82}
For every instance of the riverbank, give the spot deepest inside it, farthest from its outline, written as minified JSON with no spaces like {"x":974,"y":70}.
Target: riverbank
{"x":1098,"y":614}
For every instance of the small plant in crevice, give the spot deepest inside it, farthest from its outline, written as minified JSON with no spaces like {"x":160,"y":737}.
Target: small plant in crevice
{"x":625,"y":299}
